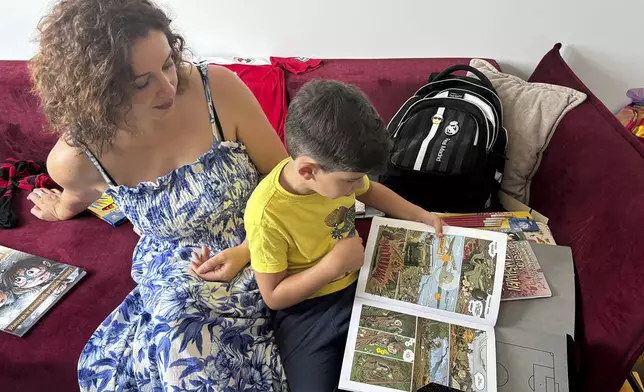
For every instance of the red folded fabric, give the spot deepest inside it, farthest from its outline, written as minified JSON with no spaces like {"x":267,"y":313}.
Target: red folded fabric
{"x":296,"y":65}
{"x":268,"y":84}
{"x":16,"y":174}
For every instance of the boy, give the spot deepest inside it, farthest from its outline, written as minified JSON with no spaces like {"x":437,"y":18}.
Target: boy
{"x":300,"y":226}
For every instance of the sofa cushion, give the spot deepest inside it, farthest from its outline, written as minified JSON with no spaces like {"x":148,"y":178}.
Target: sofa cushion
{"x":22,"y":134}
{"x":387,"y":82}
{"x":590,"y":184}
{"x":531,"y":113}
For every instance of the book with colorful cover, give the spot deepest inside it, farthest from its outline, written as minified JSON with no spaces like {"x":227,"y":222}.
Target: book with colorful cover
{"x":543,"y":236}
{"x":425,"y":309}
{"x":106,"y":209}
{"x":29,"y":287}
{"x":523,"y":278}
{"x":523,"y":224}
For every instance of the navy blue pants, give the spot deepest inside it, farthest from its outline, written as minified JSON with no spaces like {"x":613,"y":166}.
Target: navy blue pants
{"x":311,"y":337}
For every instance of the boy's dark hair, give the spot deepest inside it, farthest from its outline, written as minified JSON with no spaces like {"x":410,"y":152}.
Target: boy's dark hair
{"x":335,"y":124}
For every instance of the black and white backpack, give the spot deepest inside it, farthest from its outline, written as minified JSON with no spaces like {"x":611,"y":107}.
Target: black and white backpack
{"x":449,"y":144}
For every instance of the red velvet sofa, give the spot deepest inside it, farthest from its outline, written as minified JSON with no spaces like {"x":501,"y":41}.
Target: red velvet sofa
{"x":590,"y":184}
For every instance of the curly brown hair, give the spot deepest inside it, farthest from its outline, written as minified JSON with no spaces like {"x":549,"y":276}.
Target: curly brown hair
{"x":82,"y":71}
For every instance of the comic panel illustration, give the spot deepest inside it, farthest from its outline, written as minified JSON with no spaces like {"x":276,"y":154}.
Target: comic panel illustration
{"x":468,"y":359}
{"x":431,"y":359}
{"x":388,"y":321}
{"x":384,"y":350}
{"x":387,"y":262}
{"x":370,"y":341}
{"x":401,"y":258}
{"x":439,"y":289}
{"x":477,"y":277}
{"x":381,"y":371}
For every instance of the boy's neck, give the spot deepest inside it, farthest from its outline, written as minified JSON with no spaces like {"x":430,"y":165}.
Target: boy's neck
{"x":292,"y":182}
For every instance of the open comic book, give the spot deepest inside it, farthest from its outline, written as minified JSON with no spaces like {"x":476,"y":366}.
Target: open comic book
{"x":425,"y":309}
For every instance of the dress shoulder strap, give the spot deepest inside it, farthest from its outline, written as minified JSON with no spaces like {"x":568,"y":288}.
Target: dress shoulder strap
{"x":106,"y":176}
{"x":214,"y":119}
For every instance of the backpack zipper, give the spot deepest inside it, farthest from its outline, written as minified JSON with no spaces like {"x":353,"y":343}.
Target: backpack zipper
{"x":432,"y":132}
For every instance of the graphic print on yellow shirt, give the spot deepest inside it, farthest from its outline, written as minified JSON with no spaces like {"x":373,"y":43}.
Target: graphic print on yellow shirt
{"x":293,"y":232}
{"x":342,"y":221}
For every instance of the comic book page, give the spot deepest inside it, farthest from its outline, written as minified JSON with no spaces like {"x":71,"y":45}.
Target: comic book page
{"x":393,"y":349}
{"x":458,"y":275}
{"x":29,"y":286}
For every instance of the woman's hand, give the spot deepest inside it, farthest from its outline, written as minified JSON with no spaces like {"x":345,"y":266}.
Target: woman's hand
{"x":82,"y":184}
{"x":45,"y":202}
{"x":223,"y":266}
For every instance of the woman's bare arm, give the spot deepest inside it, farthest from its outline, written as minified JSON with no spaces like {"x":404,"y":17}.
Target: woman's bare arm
{"x":80,"y":180}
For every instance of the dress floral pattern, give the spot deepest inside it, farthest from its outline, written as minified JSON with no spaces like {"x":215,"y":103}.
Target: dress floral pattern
{"x":175,"y":331}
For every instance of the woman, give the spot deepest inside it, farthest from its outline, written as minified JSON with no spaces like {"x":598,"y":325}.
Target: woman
{"x":180,"y":148}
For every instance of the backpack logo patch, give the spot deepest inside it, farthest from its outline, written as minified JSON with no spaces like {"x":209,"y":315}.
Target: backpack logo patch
{"x":452,"y":128}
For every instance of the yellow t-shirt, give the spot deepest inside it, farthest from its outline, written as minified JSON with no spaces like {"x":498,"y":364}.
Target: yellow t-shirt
{"x":292,"y":232}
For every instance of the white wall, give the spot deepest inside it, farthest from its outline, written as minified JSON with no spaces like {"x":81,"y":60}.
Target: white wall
{"x":601,"y":45}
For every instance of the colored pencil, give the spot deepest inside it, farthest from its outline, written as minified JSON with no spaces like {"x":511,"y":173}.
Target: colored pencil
{"x":475,"y":222}
{"x":474,"y":219}
{"x":481,"y":214}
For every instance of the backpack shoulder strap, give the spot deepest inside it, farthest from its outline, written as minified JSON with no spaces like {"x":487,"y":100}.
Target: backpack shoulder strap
{"x":397,"y":118}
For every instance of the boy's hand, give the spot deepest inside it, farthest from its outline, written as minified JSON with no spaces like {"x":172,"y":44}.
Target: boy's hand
{"x":223,"y":266}
{"x":347,"y":255}
{"x":433,"y":220}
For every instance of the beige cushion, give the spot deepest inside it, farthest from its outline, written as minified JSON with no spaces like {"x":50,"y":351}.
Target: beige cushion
{"x":531,"y":113}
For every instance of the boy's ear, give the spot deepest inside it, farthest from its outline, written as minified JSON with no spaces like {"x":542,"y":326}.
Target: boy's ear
{"x":307,"y":167}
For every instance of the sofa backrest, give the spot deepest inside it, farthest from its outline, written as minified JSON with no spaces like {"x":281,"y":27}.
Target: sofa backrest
{"x":23,"y":133}
{"x":387,"y":82}
{"x":591,"y":186}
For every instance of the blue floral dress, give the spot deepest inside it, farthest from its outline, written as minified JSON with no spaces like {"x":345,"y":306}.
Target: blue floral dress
{"x":175,"y":331}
